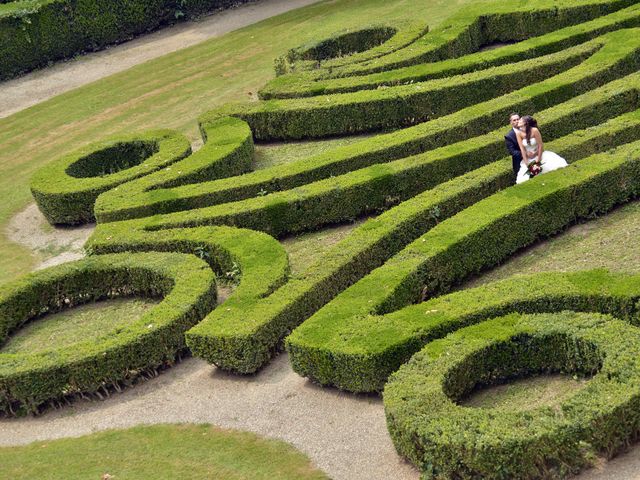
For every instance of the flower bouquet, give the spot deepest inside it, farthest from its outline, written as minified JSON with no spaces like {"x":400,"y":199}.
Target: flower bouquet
{"x":534,"y":168}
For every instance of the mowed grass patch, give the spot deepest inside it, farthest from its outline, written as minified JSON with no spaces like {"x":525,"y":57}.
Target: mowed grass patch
{"x":306,"y":249}
{"x":526,"y":393}
{"x":171,"y":92}
{"x":271,"y":154}
{"x":81,"y":323}
{"x":607,"y":242}
{"x":187,"y":452}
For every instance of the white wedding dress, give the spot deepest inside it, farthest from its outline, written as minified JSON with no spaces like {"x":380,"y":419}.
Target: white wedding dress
{"x":550,"y":161}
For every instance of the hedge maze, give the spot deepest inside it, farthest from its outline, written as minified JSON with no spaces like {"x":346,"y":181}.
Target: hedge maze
{"x":376,"y":312}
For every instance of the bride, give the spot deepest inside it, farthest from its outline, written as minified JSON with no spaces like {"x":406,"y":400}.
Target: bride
{"x":532,"y":149}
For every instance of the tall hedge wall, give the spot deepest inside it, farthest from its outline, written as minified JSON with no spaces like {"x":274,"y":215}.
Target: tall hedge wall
{"x":38,"y":32}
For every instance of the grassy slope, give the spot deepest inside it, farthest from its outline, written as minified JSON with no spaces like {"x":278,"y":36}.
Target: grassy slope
{"x":188,"y":452}
{"x":171,"y":92}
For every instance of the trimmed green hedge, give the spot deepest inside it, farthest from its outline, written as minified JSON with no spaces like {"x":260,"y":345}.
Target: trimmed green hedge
{"x":339,"y":44}
{"x":375,"y":187}
{"x":269,"y":320}
{"x":404,"y":105}
{"x":66,"y":189}
{"x":27,"y":381}
{"x":476,"y":238}
{"x":618,"y":96}
{"x":446,"y":440}
{"x":477,"y":25}
{"x":304,"y":84}
{"x":36,"y":32}
{"x":228,"y":151}
{"x":397,"y":106}
{"x":221,"y":337}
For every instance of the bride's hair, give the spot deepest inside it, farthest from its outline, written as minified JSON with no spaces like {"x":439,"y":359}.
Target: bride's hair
{"x":529,"y":123}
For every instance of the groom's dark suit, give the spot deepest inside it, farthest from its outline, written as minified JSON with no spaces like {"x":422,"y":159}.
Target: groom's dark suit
{"x":514,"y":149}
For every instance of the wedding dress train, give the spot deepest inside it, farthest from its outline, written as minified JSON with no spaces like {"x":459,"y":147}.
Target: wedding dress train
{"x":550,"y":161}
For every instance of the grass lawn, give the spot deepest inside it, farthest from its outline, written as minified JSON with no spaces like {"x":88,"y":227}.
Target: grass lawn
{"x":607,"y":242}
{"x":171,"y":92}
{"x":85,"y":322}
{"x":187,"y":452}
{"x":526,"y":393}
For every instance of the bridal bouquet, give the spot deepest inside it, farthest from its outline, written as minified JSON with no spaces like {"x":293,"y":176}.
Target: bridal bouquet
{"x":534,"y":168}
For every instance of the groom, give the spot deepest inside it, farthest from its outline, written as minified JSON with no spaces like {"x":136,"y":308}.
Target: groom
{"x":512,"y":143}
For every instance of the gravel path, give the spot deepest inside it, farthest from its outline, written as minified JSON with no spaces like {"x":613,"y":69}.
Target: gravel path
{"x":40,"y":85}
{"x":344,"y":435}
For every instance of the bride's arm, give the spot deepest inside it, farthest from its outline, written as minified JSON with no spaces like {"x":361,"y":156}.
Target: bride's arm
{"x":525,"y":160}
{"x":538,"y":137}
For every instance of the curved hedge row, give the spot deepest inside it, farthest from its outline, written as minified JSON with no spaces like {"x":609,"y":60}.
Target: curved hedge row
{"x":478,"y":237}
{"x":474,"y":26}
{"x":339,"y":44}
{"x":185,"y":283}
{"x":398,"y":106}
{"x":228,"y":151}
{"x":369,"y":189}
{"x":37,"y":32}
{"x":611,"y":99}
{"x":304,"y":85}
{"x":447,"y":440}
{"x":373,"y":243}
{"x":66,"y":190}
{"x":225,"y":336}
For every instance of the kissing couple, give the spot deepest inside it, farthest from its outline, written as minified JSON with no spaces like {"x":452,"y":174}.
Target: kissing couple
{"x":526,"y":147}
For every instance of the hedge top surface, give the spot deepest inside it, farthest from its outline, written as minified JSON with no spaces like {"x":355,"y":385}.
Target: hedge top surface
{"x":445,"y":438}
{"x":108,"y":163}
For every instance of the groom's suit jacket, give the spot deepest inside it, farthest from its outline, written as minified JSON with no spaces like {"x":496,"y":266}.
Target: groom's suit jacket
{"x":514,"y":149}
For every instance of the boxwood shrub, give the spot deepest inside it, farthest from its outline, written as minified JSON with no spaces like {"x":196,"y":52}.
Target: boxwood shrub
{"x":27,"y":381}
{"x":402,"y":105}
{"x":66,"y":189}
{"x":476,"y":238}
{"x":259,"y":263}
{"x":448,"y":440}
{"x":34,"y":33}
{"x":591,"y":108}
{"x":305,"y":84}
{"x":267,"y":321}
{"x":477,"y":25}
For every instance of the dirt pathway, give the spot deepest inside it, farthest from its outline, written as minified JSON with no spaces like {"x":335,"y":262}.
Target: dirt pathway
{"x":36,"y":87}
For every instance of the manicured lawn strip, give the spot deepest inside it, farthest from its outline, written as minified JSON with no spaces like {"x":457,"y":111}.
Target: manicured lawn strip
{"x":474,"y":239}
{"x":29,"y":380}
{"x":66,"y":190}
{"x":64,"y":328}
{"x":450,"y":129}
{"x":188,"y":452}
{"x":303,"y":84}
{"x":605,"y":242}
{"x":480,"y":24}
{"x":445,"y":439}
{"x":261,"y":266}
{"x":402,"y":105}
{"x":168,"y":92}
